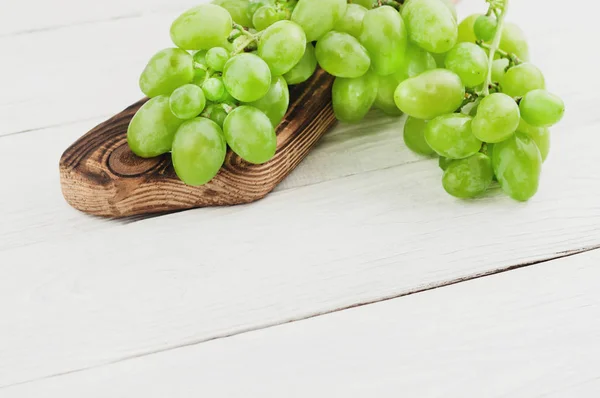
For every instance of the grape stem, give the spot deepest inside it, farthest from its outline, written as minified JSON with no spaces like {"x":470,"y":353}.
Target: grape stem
{"x":493,"y":48}
{"x":511,"y":57}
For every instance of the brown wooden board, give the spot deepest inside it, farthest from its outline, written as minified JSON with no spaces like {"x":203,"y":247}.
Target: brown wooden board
{"x":99,"y":174}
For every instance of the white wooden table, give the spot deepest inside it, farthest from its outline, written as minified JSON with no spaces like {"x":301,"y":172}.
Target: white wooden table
{"x":488,"y":298}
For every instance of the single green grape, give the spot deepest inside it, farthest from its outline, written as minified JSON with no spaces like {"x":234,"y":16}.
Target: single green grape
{"x":150,"y":132}
{"x":317,"y":17}
{"x":202,"y":27}
{"x":499,"y":67}
{"x":167,"y":70}
{"x":216,"y":58}
{"x":247,"y":77}
{"x":342,"y":55}
{"x":250,"y":134}
{"x":430,"y":94}
{"x":497,"y":118}
{"x":352,"y":20}
{"x":214,"y":89}
{"x":385,"y":94}
{"x":517,"y":164}
{"x":540,"y":108}
{"x":254,"y":5}
{"x":514,"y":42}
{"x":414,"y":136}
{"x":266,"y":16}
{"x":466,"y":29}
{"x":443,"y":162}
{"x":352,"y":97}
{"x":281,"y":46}
{"x":275,"y":103}
{"x":216,"y":113}
{"x":541,"y":136}
{"x":469,"y":62}
{"x":431,"y":25}
{"x":237,"y":9}
{"x":187,"y":101}
{"x":384,"y":36}
{"x":200,"y":57}
{"x":305,"y":68}
{"x":521,"y":79}
{"x":414,"y":62}
{"x":368,"y":4}
{"x":468,"y":178}
{"x":451,"y":136}
{"x":485,"y":27}
{"x":199,"y":150}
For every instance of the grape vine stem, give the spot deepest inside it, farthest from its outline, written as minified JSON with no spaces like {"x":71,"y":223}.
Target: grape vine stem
{"x":493,"y":48}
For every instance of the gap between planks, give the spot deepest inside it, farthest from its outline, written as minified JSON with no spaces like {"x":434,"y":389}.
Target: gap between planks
{"x":451,"y":282}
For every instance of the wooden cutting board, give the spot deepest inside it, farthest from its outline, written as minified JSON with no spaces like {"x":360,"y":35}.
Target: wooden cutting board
{"x":99,"y":174}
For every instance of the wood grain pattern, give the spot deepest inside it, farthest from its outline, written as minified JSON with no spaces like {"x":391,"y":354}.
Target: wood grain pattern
{"x":101,"y":176}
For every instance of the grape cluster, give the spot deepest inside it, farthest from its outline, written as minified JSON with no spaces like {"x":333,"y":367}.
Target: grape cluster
{"x":470,"y":95}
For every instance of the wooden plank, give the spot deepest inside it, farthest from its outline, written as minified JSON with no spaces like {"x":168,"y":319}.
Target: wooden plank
{"x":124,"y":291}
{"x":526,"y":333}
{"x":21,"y":18}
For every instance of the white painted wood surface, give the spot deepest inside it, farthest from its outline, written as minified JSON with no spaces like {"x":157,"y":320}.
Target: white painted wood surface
{"x":531,"y":332}
{"x":361,"y":219}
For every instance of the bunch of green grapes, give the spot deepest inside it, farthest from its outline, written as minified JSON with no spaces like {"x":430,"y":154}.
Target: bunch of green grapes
{"x":470,"y":95}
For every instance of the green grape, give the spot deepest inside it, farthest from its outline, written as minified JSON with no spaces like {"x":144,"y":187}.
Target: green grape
{"x":150,"y":132}
{"x":216,"y":113}
{"x":275,"y":103}
{"x":521,"y":79}
{"x":352,"y":97}
{"x":414,"y":62}
{"x":541,"y":108}
{"x":200,"y":57}
{"x":443,"y":162}
{"x":266,"y":16}
{"x":199,"y":77}
{"x":430,"y":94}
{"x":497,"y":118}
{"x":384,"y":36}
{"x":541,"y":136}
{"x":317,"y":17}
{"x":214,"y":89}
{"x":451,"y":136}
{"x":352,"y":20}
{"x":237,"y":9}
{"x":469,"y":62}
{"x":342,"y":55}
{"x":216,"y":58}
{"x":368,"y":4}
{"x":250,"y":134}
{"x":202,"y":27}
{"x":468,"y":178}
{"x":414,"y":136}
{"x":485,"y":27}
{"x":304,"y":68}
{"x":499,"y":69}
{"x":199,"y":150}
{"x":282,"y":46}
{"x":247,"y":77}
{"x":452,"y":7}
{"x":513,"y":41}
{"x":466,"y":29}
{"x":385,"y":94}
{"x":254,"y":5}
{"x":439,"y":59}
{"x":517,"y":164}
{"x":187,"y":101}
{"x":167,"y":70}
{"x":431,"y":25}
